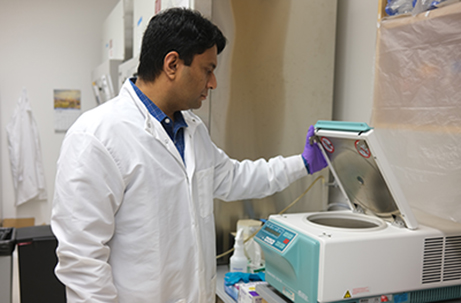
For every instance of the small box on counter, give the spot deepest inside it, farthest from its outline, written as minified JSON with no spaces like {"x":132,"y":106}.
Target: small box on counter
{"x":248,"y":294}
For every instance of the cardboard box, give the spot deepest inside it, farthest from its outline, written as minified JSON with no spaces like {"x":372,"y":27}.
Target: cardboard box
{"x":18,"y":222}
{"x":248,"y":294}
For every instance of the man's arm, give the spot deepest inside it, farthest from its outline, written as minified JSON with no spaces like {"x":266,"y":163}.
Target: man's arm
{"x":88,"y":191}
{"x":236,"y":180}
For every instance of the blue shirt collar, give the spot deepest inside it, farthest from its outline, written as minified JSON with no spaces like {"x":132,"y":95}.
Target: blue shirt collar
{"x":156,"y":112}
{"x":175,"y":130}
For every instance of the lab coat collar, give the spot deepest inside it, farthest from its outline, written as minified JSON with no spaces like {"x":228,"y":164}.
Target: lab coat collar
{"x":155,"y":128}
{"x":151,"y":125}
{"x":189,"y":152}
{"x":128,"y":91}
{"x":190,"y":119}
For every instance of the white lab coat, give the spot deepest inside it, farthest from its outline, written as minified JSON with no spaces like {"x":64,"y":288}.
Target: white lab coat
{"x":25,"y":154}
{"x":134,"y":223}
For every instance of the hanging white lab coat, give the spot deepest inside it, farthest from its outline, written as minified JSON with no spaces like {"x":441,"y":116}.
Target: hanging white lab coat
{"x":134,"y":222}
{"x":25,"y":153}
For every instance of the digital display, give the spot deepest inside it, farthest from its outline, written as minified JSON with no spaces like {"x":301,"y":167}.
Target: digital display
{"x":270,"y":230}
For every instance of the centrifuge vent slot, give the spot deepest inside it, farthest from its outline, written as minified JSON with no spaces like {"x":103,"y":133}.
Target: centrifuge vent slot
{"x":436,"y":294}
{"x":432,"y":262}
{"x":452,"y":259}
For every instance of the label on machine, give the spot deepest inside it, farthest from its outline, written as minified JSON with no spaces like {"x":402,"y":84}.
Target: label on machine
{"x":276,"y":236}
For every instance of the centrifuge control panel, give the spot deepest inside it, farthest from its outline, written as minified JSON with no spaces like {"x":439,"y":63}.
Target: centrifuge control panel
{"x":276,"y":236}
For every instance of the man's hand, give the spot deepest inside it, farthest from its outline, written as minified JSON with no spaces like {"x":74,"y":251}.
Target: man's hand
{"x":312,"y":154}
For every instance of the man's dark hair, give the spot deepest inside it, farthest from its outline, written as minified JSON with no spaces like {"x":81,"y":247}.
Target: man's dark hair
{"x":178,"y":29}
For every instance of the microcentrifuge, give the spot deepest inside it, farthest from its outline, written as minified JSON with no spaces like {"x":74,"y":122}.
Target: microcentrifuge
{"x":381,"y":250}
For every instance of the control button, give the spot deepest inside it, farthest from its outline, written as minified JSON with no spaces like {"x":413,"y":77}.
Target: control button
{"x":269,"y":240}
{"x":384,"y":298}
{"x":280,"y":245}
{"x":288,"y":235}
{"x":286,"y":241}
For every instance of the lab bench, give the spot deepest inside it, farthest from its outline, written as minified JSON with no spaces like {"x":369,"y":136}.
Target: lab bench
{"x":266,"y":291}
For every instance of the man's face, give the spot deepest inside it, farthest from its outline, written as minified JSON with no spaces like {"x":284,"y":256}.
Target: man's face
{"x":196,"y":80}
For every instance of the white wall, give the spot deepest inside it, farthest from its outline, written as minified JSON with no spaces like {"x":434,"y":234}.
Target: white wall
{"x":45,"y":45}
{"x":355,"y":55}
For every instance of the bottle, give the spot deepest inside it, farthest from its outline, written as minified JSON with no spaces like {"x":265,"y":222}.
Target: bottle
{"x":256,"y":261}
{"x":238,"y":261}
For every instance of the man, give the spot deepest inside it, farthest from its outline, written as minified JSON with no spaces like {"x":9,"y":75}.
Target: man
{"x":133,"y":207}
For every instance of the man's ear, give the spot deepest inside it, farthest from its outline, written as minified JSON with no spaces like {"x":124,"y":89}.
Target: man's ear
{"x":171,"y":64}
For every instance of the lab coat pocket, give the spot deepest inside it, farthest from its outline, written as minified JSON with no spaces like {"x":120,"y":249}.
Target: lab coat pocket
{"x":205,"y":191}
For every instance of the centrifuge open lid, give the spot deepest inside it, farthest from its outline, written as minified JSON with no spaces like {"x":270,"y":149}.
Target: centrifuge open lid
{"x":362,"y":172}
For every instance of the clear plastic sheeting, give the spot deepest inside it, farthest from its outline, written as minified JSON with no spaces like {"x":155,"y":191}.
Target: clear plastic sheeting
{"x":424,"y":5}
{"x":417,"y":106}
{"x":399,"y":7}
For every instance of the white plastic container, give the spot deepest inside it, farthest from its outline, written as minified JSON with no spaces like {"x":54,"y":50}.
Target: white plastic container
{"x":238,"y":261}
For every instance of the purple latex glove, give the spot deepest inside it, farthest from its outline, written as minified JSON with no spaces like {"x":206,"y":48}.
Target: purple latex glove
{"x":312,"y":154}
